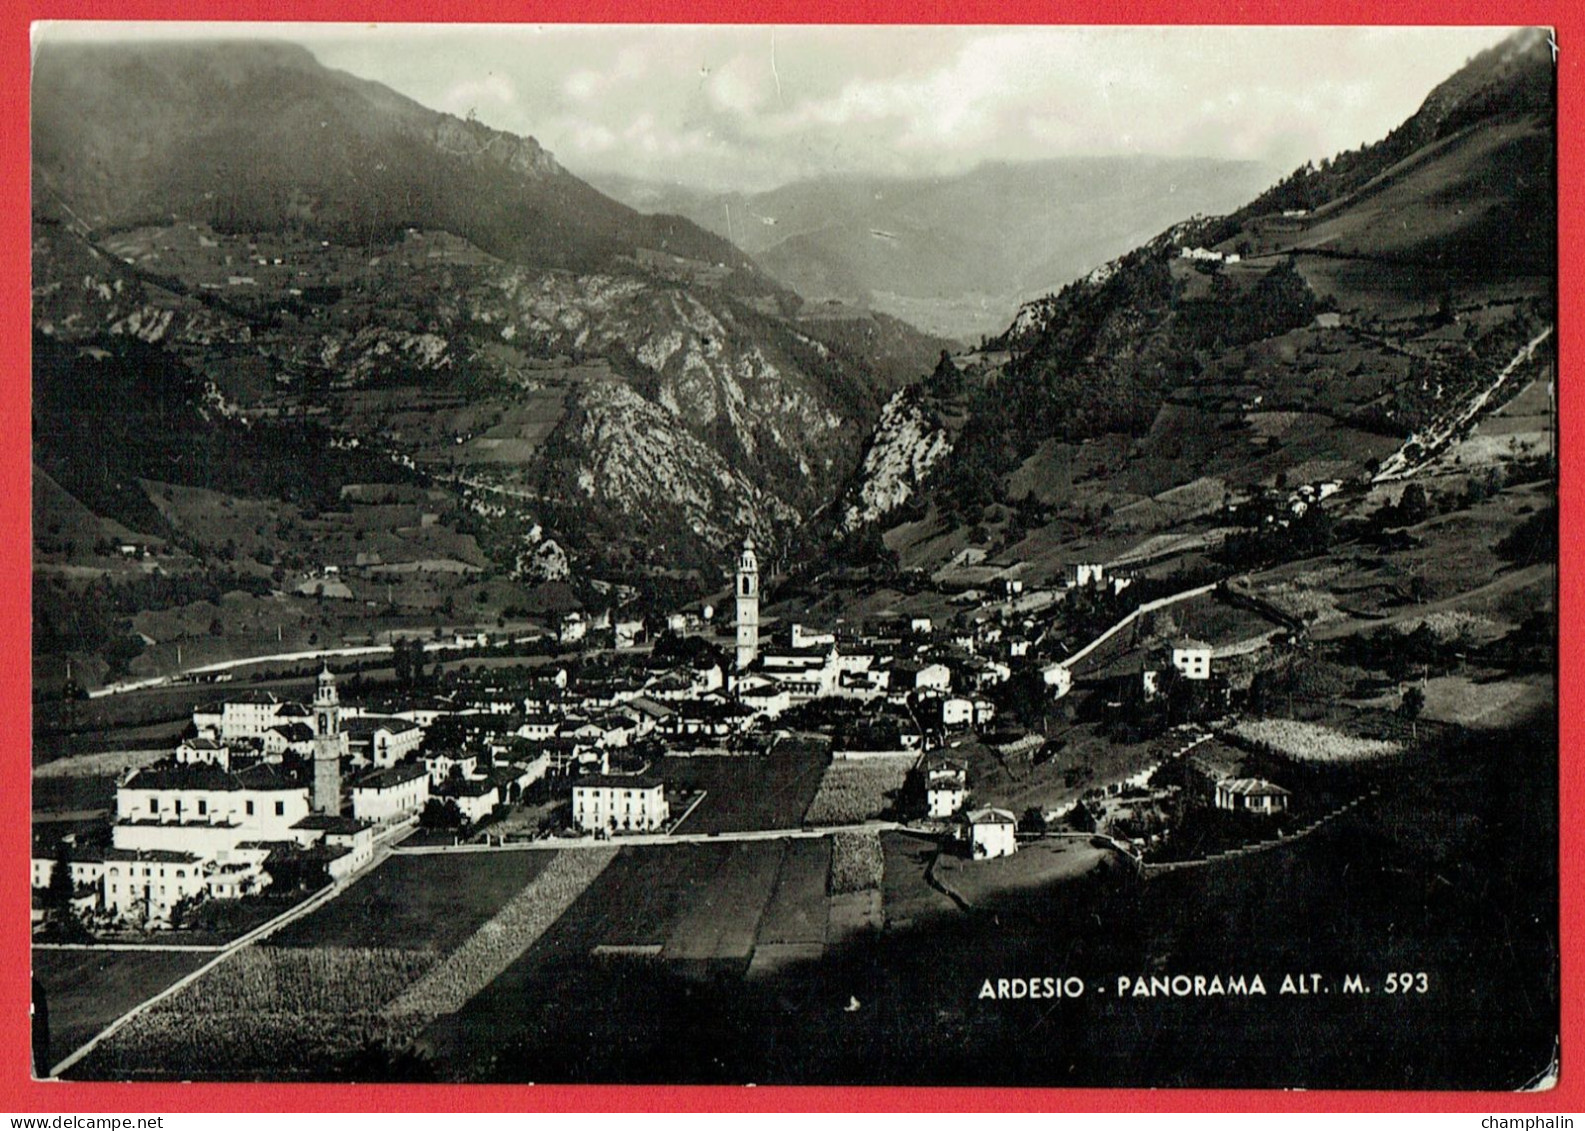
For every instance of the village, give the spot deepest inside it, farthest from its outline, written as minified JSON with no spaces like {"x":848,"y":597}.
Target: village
{"x":888,"y":718}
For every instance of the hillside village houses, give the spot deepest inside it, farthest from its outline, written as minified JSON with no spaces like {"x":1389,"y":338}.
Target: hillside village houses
{"x":946,"y":787}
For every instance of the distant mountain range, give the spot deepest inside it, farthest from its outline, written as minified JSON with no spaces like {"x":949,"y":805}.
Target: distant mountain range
{"x":955,"y":255}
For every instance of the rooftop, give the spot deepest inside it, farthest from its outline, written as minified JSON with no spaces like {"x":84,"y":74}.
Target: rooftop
{"x":466,"y":787}
{"x":618,"y":781}
{"x":325,"y":822}
{"x":1254,"y":787}
{"x":991,"y":817}
{"x":149,"y":856}
{"x":392,"y":777}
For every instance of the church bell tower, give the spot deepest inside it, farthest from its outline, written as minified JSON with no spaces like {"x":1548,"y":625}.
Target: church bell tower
{"x":329,"y":744}
{"x":747,"y":605}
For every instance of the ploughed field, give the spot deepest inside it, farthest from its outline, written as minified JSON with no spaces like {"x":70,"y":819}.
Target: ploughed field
{"x":340,"y":993}
{"x":451,"y":946}
{"x":685,"y":914}
{"x":430,"y":902}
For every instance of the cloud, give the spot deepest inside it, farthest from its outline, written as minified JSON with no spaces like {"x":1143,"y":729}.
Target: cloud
{"x":751,"y":106}
{"x":474,"y":96}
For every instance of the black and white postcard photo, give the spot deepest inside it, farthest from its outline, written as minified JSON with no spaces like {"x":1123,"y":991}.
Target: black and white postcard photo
{"x":863,"y":555}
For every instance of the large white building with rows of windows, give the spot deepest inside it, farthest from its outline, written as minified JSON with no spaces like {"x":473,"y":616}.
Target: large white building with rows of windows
{"x":619,"y":803}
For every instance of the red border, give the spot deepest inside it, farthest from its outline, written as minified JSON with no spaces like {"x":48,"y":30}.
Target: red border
{"x":19,"y":1094}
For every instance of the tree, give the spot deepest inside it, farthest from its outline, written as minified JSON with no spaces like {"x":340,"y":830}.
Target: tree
{"x":1411,"y":706}
{"x":1161,"y":625}
{"x":401,"y":660}
{"x":1033,"y":821}
{"x":441,"y":814}
{"x":1413,"y":505}
{"x":64,"y":925}
{"x":59,"y":893}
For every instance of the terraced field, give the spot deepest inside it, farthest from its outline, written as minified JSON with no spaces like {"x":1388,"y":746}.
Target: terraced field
{"x":350,"y":986}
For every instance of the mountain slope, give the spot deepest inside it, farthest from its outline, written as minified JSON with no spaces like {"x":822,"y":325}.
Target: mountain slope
{"x":243,"y":243}
{"x":1300,"y":338}
{"x":255,"y":136}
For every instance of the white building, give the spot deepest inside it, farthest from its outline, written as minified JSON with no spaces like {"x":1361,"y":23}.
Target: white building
{"x":802,"y":636}
{"x":443,"y":766}
{"x":476,"y":798}
{"x":956,"y":712}
{"x":146,"y":884}
{"x":381,"y":741}
{"x":946,"y":789}
{"x":204,"y":750}
{"x":628,"y":633}
{"x":991,"y":833}
{"x":1192,"y":658}
{"x":247,"y":717}
{"x":239,"y":873}
{"x":920,"y":677}
{"x":392,"y":794}
{"x":764,"y":697}
{"x":1059,"y":678}
{"x":87,"y":867}
{"x":1251,"y":795}
{"x":619,"y":803}
{"x":356,"y":836}
{"x":199,"y":807}
{"x":574,"y":627}
{"x":1088,"y":573}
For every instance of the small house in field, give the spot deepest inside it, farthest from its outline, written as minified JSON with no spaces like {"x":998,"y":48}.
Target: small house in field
{"x":1218,"y":775}
{"x":989,"y":833}
{"x":1251,"y":795}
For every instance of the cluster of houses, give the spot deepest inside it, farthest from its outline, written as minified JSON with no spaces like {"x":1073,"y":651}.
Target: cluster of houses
{"x":263,"y":787}
{"x":258,"y":785}
{"x":1209,"y":255}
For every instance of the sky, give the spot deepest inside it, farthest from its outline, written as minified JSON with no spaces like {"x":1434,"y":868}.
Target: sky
{"x":751,"y":107}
